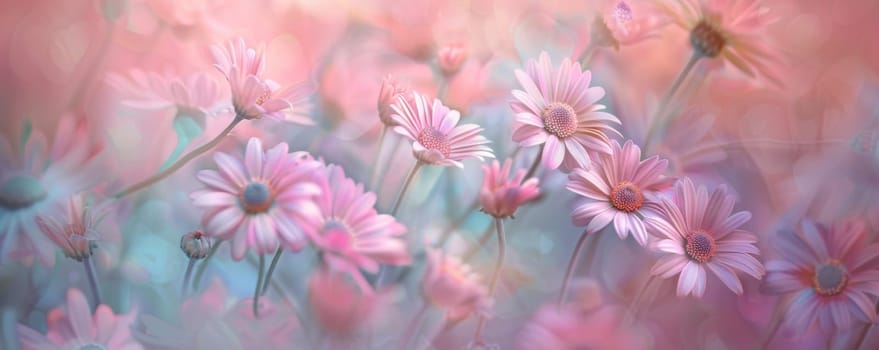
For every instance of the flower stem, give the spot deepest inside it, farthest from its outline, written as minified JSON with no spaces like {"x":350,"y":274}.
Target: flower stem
{"x":470,"y":253}
{"x":373,"y":177}
{"x":275,"y":259}
{"x":533,"y":168}
{"x":405,"y":187}
{"x":204,"y":264}
{"x":572,"y":264}
{"x":181,"y":162}
{"x":258,"y":288}
{"x":412,"y":326}
{"x":657,"y":121}
{"x":186,"y":278}
{"x":501,"y":246}
{"x":585,"y":58}
{"x":93,"y":280}
{"x":447,"y":233}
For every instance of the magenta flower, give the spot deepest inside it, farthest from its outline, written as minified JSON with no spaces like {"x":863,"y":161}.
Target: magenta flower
{"x":254,"y":96}
{"x":76,"y":233}
{"x":349,"y":232}
{"x":75,"y":327}
{"x":453,"y":286}
{"x":436,"y":136}
{"x":697,"y":230}
{"x":834,"y":272}
{"x":557,"y":109}
{"x":259,"y":201}
{"x":500,"y":196}
{"x":620,"y":188}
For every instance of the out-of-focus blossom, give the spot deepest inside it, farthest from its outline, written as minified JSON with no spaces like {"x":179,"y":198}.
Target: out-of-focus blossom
{"x":734,"y":30}
{"x":254,"y":96}
{"x":189,"y":18}
{"x":259,"y":201}
{"x":391,"y":89}
{"x":437,"y":138}
{"x":697,"y":230}
{"x":195,"y":244}
{"x":75,"y":327}
{"x":76,"y":233}
{"x":339,"y":307}
{"x":349,"y":232}
{"x":40,"y":180}
{"x":453,"y":286}
{"x":501,"y":195}
{"x":832,"y":271}
{"x":557,"y":109}
{"x":198,"y":95}
{"x":622,"y":23}
{"x":274,"y":328}
{"x":450,"y":58}
{"x":620,"y":188}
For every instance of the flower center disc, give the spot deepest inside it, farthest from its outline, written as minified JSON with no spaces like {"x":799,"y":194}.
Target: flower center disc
{"x":700,"y":246}
{"x":559,"y":119}
{"x":626,"y":197}
{"x":707,"y":40}
{"x":21,"y":191}
{"x":256,"y":198}
{"x":830,"y":279}
{"x":434,"y":140}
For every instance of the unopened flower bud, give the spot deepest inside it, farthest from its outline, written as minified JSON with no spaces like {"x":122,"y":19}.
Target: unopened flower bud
{"x":195,"y":244}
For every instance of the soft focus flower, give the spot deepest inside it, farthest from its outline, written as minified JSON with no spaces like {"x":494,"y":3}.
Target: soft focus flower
{"x":734,"y":30}
{"x":76,"y":233}
{"x":339,"y":307}
{"x":833,"y":271}
{"x":437,"y":137}
{"x":349,"y":232}
{"x":390,"y":90}
{"x":697,"y":230}
{"x":274,"y":328}
{"x":453,"y":286}
{"x":557,"y":109}
{"x":40,"y":180}
{"x":625,"y":23}
{"x":198,"y":95}
{"x":450,"y":58}
{"x":195,"y":244}
{"x":620,"y":188}
{"x":500,"y":195}
{"x":259,"y":201}
{"x":253,"y":96}
{"x":75,"y":327}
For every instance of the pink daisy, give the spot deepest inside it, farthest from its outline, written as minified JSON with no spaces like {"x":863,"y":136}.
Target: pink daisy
{"x":338,"y":306}
{"x":697,"y":230}
{"x":390,"y":90}
{"x":77,"y":232}
{"x":557,"y":110}
{"x":436,"y":136}
{"x":625,"y":23}
{"x":500,"y":196}
{"x":453,"y":286}
{"x":620,"y":188}
{"x":259,"y":201}
{"x":833,"y":271}
{"x":733,"y":30}
{"x":254,"y":96}
{"x":75,"y":327}
{"x":40,"y":180}
{"x":349,"y":232}
{"x":198,"y":95}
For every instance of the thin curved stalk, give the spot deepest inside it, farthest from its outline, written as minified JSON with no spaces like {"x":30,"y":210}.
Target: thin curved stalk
{"x":275,"y":259}
{"x":186,"y":278}
{"x":412,"y":326}
{"x":93,"y":280}
{"x":257,"y":290}
{"x":373,"y":177}
{"x":572,"y":264}
{"x":501,"y":245}
{"x":204,"y":264}
{"x":536,"y":164}
{"x":657,"y":122}
{"x":405,"y":187}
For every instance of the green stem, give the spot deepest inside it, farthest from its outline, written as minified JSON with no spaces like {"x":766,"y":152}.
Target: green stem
{"x":373,"y":177}
{"x":204,"y":264}
{"x":501,"y":246}
{"x":536,"y":164}
{"x":572,"y":264}
{"x":93,"y":280}
{"x":657,"y":122}
{"x":275,"y":259}
{"x":258,"y":288}
{"x":405,"y":187}
{"x":186,"y":278}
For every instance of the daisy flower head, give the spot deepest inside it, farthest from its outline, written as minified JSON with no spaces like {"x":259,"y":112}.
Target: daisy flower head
{"x":697,"y":230}
{"x":258,"y":202}
{"x":733,"y":30}
{"x":625,"y":23}
{"x":40,"y":179}
{"x":437,"y":138}
{"x":77,"y":232}
{"x":75,"y":327}
{"x":387,"y":96}
{"x":198,"y":95}
{"x":557,"y":109}
{"x":453,"y":286}
{"x":339,"y":307}
{"x":501,"y":195}
{"x":833,"y":272}
{"x":254,"y":96}
{"x":620,"y":188}
{"x":349,"y":232}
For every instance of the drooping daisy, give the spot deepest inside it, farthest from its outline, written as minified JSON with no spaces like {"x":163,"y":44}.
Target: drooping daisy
{"x":258,"y":202}
{"x":387,"y":96}
{"x":697,"y":230}
{"x":437,"y":138}
{"x":500,"y":195}
{"x":620,"y":188}
{"x":76,"y":233}
{"x":557,"y":110}
{"x":254,"y":96}
{"x":349,"y":232}
{"x":75,"y":327}
{"x":39,"y":180}
{"x":833,"y":271}
{"x":733,"y":30}
{"x":453,"y":286}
